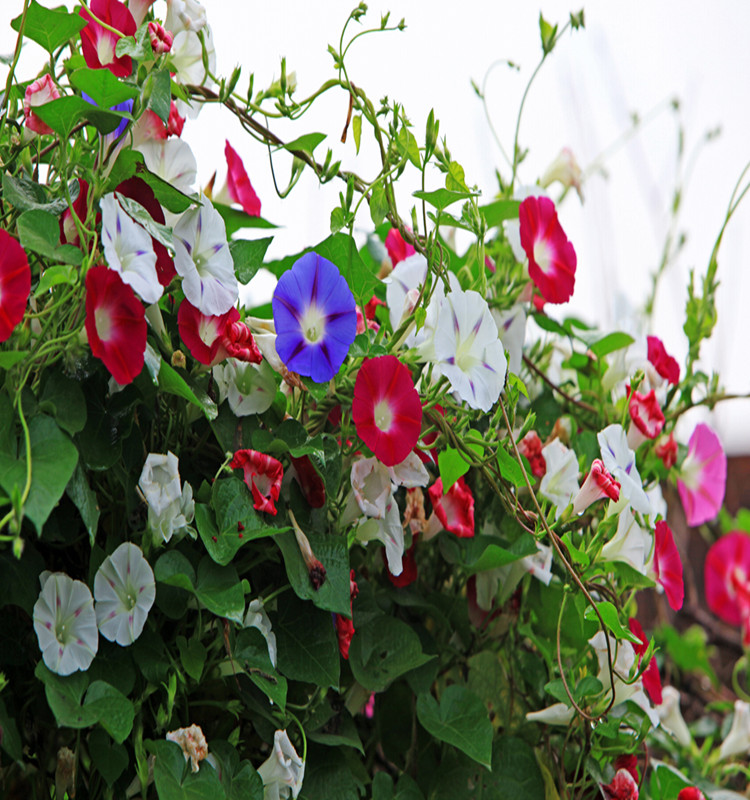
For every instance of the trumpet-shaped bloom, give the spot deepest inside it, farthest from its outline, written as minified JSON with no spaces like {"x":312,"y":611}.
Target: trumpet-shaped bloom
{"x":186,"y":58}
{"x":42,"y":90}
{"x":630,"y":543}
{"x":65,"y":624}
{"x":511,"y":327}
{"x":663,"y":363}
{"x":203,"y":333}
{"x":560,"y":482}
{"x":386,"y":409}
{"x":315,"y":318}
{"x":124,"y":589}
{"x":128,"y":250}
{"x":283,"y":771}
{"x":256,"y":617}
{"x":552,"y":259}
{"x":619,"y":459}
{"x":454,"y":508}
{"x":703,"y":476}
{"x":115,"y":324}
{"x":262,"y":474}
{"x":597,"y":485}
{"x":566,"y":170}
{"x":670,"y":717}
{"x":727,"y":580}
{"x":99,"y":43}
{"x":737,"y":741}
{"x":249,"y":388}
{"x":15,"y":284}
{"x":388,"y":530}
{"x":160,"y":481}
{"x":202,"y":258}
{"x":238,"y":184}
{"x":668,"y":565}
{"x":175,"y":519}
{"x":172,"y":160}
{"x":468,"y":350}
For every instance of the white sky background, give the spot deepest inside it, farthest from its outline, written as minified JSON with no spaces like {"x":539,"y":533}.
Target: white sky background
{"x":630,"y":57}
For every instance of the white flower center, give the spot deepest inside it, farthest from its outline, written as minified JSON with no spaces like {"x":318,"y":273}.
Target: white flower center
{"x":383,"y":415}
{"x":103,"y":323}
{"x":105,"y":50}
{"x":542,"y":255}
{"x":313,"y":324}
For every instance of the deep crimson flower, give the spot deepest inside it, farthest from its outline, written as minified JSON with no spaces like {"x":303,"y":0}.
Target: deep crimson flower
{"x":455,"y":508}
{"x":15,"y":284}
{"x":668,"y":565}
{"x":386,"y":409}
{"x":623,"y":787}
{"x":310,"y":481}
{"x":137,"y":189}
{"x":664,"y":364}
{"x":238,"y":184}
{"x":238,"y":342}
{"x":175,"y":122}
{"x":691,"y":793}
{"x":115,"y":324}
{"x":650,"y":676}
{"x":552,"y":259}
{"x":203,"y":333}
{"x":646,"y":413}
{"x":703,"y":476}
{"x":42,"y":90}
{"x":263,"y":474}
{"x":409,"y":572}
{"x":161,"y":39}
{"x":397,"y":248}
{"x":531,"y":447}
{"x":667,"y":451}
{"x":345,"y":625}
{"x":98,"y":43}
{"x":629,"y":762}
{"x":727,"y":580}
{"x":597,"y":485}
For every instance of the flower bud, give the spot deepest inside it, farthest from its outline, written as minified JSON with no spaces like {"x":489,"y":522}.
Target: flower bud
{"x":161,"y":39}
{"x":41,"y":91}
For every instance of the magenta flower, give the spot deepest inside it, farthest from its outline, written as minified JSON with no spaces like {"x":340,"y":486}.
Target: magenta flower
{"x":386,"y":409}
{"x":455,"y":508}
{"x":15,"y":284}
{"x":397,"y":248}
{"x":703,"y":476}
{"x":668,"y":565}
{"x":727,"y":580}
{"x":651,"y":678}
{"x":646,"y":416}
{"x":314,"y":316}
{"x":597,"y":485}
{"x":161,"y":39}
{"x":238,"y":184}
{"x":43,"y":90}
{"x":663,"y":363}
{"x":552,"y":259}
{"x":99,"y":44}
{"x":263,"y":476}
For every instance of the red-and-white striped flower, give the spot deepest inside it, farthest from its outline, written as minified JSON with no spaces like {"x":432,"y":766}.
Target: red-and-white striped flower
{"x":115,"y":324}
{"x":263,"y":474}
{"x":455,"y":508}
{"x":99,"y":44}
{"x":15,"y":284}
{"x":646,"y":416}
{"x":42,"y":90}
{"x":597,"y":485}
{"x":238,"y":184}
{"x":667,"y":450}
{"x":161,"y":39}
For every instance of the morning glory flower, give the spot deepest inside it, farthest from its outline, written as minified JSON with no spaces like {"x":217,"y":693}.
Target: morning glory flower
{"x":65,"y":624}
{"x":727,"y":580}
{"x":631,"y":543}
{"x":257,"y":617}
{"x":315,"y":318}
{"x":160,"y":481}
{"x":202,"y":258}
{"x":124,"y":589}
{"x":249,"y":388}
{"x":703,"y":476}
{"x":99,"y":43}
{"x":619,"y":459}
{"x":172,"y":160}
{"x":468,"y":350}
{"x":128,"y":250}
{"x":15,"y":284}
{"x":560,"y":482}
{"x":283,"y":771}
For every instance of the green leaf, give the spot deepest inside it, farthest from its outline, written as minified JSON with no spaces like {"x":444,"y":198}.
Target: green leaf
{"x":110,"y":758}
{"x":251,"y":652}
{"x":610,"y":343}
{"x":172,"y":382}
{"x":341,"y":249}
{"x":53,"y":459}
{"x":515,"y":772}
{"x":19,"y":578}
{"x":84,"y":499}
{"x":510,"y":469}
{"x":172,"y":199}
{"x":550,"y":325}
{"x":10,"y":357}
{"x":407,"y":145}
{"x":305,"y":144}
{"x":54,"y":276}
{"x":611,"y":620}
{"x":112,"y":709}
{"x":64,"y":695}
{"x":378,"y":204}
{"x":192,"y":656}
{"x":332,"y":552}
{"x":460,"y":718}
{"x":499,"y":210}
{"x":485,"y":552}
{"x":452,"y":465}
{"x":248,"y":255}
{"x":174,"y":569}
{"x":65,"y":399}
{"x":162,"y":233}
{"x":382,"y":650}
{"x":220,"y":590}
{"x":160,"y":101}
{"x":337,"y":219}
{"x":307,"y":646}
{"x":175,"y":780}
{"x":25,"y":195}
{"x":39,"y":231}
{"x":236,"y":219}
{"x":548,"y":33}
{"x":103,"y":87}
{"x":11,"y":739}
{"x":49,"y":27}
{"x":331,"y":776}
{"x":357,"y":130}
{"x":688,"y":649}
{"x":455,"y":178}
{"x":442,"y":198}
{"x":63,"y":114}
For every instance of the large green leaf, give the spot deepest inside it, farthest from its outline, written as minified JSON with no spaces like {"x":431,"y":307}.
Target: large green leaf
{"x":248,"y":255}
{"x":515,"y":772}
{"x":442,"y":198}
{"x":63,"y":114}
{"x":112,"y":709}
{"x":109,"y":758}
{"x":85,"y":500}
{"x":49,"y":27}
{"x":452,"y":465}
{"x":103,"y":87}
{"x":610,"y":343}
{"x":24,"y":195}
{"x":460,"y":718}
{"x":39,"y":232}
{"x":220,"y":590}
{"x":65,"y":401}
{"x":251,"y":654}
{"x":329,"y":776}
{"x":499,"y":210}
{"x":236,"y":219}
{"x":172,"y":382}
{"x":174,"y":779}
{"x":64,"y":696}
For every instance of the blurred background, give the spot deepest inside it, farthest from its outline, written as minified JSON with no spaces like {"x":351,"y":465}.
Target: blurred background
{"x":677,"y":68}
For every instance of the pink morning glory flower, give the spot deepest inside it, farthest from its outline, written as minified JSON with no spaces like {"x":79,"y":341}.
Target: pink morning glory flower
{"x":238,"y":183}
{"x":703,"y":476}
{"x":668,"y":565}
{"x":15,"y":284}
{"x":727,"y":580}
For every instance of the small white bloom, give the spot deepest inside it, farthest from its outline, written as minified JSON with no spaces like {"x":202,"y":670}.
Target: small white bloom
{"x":176,"y":517}
{"x":619,"y":459}
{"x":203,"y":260}
{"x":671,"y":718}
{"x":192,"y":742}
{"x":540,"y":564}
{"x":160,"y":481}
{"x":129,"y":251}
{"x":560,"y":482}
{"x":468,"y":350}
{"x":172,"y":160}
{"x":249,"y":388}
{"x":556,"y":714}
{"x":124,"y":589}
{"x":738,"y":739}
{"x":283,"y":771}
{"x":407,"y":275}
{"x":631,"y":543}
{"x":371,"y":485}
{"x":256,"y":617}
{"x":511,"y":327}
{"x":65,"y":624}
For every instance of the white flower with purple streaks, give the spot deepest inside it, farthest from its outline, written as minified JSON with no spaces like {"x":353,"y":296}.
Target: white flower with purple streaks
{"x":124,"y":589}
{"x":172,"y":160}
{"x":511,"y":327}
{"x":619,"y":459}
{"x":129,"y":250}
{"x":467,"y":349}
{"x":65,"y":624}
{"x":203,"y":260}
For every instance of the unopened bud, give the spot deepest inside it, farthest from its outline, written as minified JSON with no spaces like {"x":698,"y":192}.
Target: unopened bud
{"x":178,"y":359}
{"x":315,"y":569}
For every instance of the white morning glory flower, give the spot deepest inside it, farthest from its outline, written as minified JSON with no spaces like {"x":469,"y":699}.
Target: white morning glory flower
{"x":65,"y":624}
{"x":185,"y":15}
{"x":619,"y":459}
{"x":160,"y":481}
{"x":129,"y":251}
{"x":186,"y":57}
{"x":124,"y":589}
{"x":389,"y":531}
{"x":175,"y":519}
{"x":511,"y":327}
{"x":283,"y":771}
{"x":630,"y":543}
{"x":202,"y":258}
{"x":250,"y":388}
{"x":560,"y":482}
{"x":256,"y":617}
{"x":468,"y":350}
{"x":172,"y":160}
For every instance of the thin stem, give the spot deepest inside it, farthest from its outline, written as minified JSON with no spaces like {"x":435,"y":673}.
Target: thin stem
{"x":14,"y":64}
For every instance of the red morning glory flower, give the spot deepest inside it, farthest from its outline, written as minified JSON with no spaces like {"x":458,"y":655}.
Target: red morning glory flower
{"x":552,"y":259}
{"x":650,"y":676}
{"x":455,"y":508}
{"x":703,"y":476}
{"x":597,"y":485}
{"x":668,"y":565}
{"x":664,"y":364}
{"x":15,"y":284}
{"x":727,"y":580}
{"x":238,"y":184}
{"x":386,"y":409}
{"x":203,"y":333}
{"x":99,"y":44}
{"x":646,"y":416}
{"x":115,"y":324}
{"x":263,"y":474}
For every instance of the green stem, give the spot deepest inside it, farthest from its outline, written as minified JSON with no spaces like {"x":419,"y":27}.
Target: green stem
{"x":14,"y":64}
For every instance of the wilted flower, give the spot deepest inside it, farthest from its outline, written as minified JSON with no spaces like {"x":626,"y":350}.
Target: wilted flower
{"x":737,"y":741}
{"x":65,"y":624}
{"x":315,"y":569}
{"x":263,"y":475}
{"x":283,"y":771}
{"x":186,"y":57}
{"x":124,"y":589}
{"x":345,"y":625}
{"x":175,"y":519}
{"x":256,"y":617}
{"x":703,"y":476}
{"x":204,"y":333}
{"x":15,"y":284}
{"x":160,"y":481}
{"x":556,"y":714}
{"x":622,"y":787}
{"x":193,"y":744}
{"x":173,"y":161}
{"x":185,"y":15}
{"x":691,"y":793}
{"x":42,"y":90}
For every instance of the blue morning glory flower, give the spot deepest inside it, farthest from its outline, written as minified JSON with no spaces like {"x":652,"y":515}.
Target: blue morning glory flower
{"x":315,"y":317}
